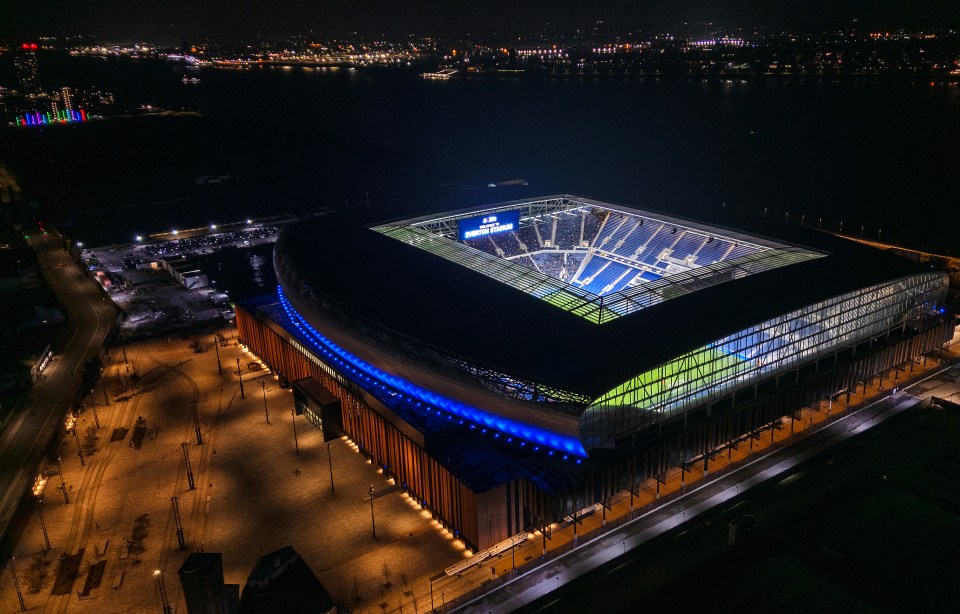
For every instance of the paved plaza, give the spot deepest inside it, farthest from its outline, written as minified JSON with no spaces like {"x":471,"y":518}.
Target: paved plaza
{"x":254,"y":493}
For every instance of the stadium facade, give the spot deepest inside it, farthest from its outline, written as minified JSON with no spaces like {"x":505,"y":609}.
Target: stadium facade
{"x":510,"y":364}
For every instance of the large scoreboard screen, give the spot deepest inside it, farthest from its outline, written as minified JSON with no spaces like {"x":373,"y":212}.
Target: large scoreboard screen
{"x":490,"y":224}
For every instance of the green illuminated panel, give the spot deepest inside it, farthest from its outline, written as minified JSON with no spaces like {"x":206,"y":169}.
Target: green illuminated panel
{"x":680,"y":377}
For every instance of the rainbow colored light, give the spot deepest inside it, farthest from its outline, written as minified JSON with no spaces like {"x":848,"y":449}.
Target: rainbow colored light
{"x":49,"y":118}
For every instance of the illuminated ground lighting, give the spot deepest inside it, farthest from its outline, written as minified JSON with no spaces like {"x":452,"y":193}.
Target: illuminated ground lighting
{"x":175,"y":232}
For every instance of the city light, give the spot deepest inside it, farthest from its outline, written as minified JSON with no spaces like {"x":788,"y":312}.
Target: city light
{"x":39,"y":484}
{"x":48,"y":118}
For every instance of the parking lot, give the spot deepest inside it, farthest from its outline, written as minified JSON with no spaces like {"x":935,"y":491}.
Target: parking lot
{"x":152,"y":300}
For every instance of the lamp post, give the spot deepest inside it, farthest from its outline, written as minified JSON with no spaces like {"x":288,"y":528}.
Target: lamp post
{"x":43,"y":525}
{"x":266,"y":412}
{"x":79,"y":451}
{"x":186,"y":458}
{"x":164,"y":605}
{"x":63,"y":484}
{"x":175,"y":502}
{"x":196,"y":422}
{"x":216,"y":346}
{"x":16,"y":583}
{"x":373,"y":523}
{"x":240,"y":375}
{"x":293,"y":419}
{"x":330,"y":464}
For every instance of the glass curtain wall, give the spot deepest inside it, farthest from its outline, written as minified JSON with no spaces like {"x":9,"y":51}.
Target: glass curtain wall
{"x":743,"y":358}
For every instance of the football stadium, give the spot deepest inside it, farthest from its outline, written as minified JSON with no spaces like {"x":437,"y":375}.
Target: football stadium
{"x":510,"y":364}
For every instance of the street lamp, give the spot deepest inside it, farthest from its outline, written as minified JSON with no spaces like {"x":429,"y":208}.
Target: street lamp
{"x":43,"y":525}
{"x":240,"y":375}
{"x":79,"y":451}
{"x":293,"y":419}
{"x":373,"y":523}
{"x":216,"y":346}
{"x":186,"y":458}
{"x":164,"y":604}
{"x":175,"y":502}
{"x":63,"y":484}
{"x":38,"y":485}
{"x":93,"y":404}
{"x":196,"y":422}
{"x":330,"y":464}
{"x":16,"y":583}
{"x":266,"y":412}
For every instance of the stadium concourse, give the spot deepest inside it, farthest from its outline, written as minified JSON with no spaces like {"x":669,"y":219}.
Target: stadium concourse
{"x":522,"y":364}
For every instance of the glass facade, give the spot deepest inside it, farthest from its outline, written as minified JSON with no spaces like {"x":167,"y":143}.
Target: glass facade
{"x":766,"y":349}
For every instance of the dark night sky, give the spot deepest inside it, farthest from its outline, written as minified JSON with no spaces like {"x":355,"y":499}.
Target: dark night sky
{"x":173,"y":20}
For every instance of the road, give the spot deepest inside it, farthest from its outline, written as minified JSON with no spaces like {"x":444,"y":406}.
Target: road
{"x":90,"y":316}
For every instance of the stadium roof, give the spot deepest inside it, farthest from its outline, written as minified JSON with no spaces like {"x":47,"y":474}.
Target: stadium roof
{"x":475,"y":317}
{"x":437,"y":235}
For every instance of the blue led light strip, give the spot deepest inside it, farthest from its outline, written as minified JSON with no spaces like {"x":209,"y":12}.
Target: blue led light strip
{"x":365,"y":373}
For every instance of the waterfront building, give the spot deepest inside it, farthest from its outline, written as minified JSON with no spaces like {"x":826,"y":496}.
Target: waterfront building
{"x":512,"y":365}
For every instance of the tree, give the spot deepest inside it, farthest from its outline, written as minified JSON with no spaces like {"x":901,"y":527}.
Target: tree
{"x":141,"y":529}
{"x":36,"y":574}
{"x":90,"y":441}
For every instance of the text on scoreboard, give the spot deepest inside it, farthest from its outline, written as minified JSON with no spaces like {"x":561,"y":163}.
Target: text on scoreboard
{"x":490,"y":224}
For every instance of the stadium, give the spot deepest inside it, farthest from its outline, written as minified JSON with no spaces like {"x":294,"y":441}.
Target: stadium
{"x":511,"y":364}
